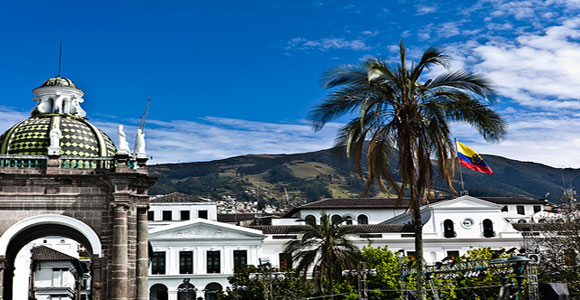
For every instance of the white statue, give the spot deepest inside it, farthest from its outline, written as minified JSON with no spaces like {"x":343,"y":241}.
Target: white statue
{"x":123,"y":144}
{"x":55,"y":135}
{"x":140,"y":144}
{"x":43,"y":106}
{"x":58,"y":104}
{"x":76,"y":108}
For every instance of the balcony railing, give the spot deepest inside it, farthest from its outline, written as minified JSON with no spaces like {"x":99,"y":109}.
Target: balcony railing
{"x":23,"y":161}
{"x":65,"y":162}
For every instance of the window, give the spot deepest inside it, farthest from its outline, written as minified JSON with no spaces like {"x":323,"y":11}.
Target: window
{"x":213,"y":262}
{"x":150,"y":215}
{"x":240,"y":259}
{"x":453,"y":255}
{"x":184,"y":215}
{"x":537,"y":208}
{"x":310,"y":219}
{"x":411,"y":255}
{"x":186,"y":262}
{"x":520,"y":209}
{"x":449,"y":230}
{"x":58,"y":279}
{"x":202,"y":214}
{"x":166,"y":215}
{"x":505,"y":208}
{"x":488,"y":228}
{"x":362,"y":219}
{"x":335,"y":219}
{"x":348,"y":221}
{"x":285,"y":261}
{"x":158,"y":263}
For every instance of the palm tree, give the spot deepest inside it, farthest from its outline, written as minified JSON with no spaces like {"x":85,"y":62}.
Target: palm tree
{"x":399,"y":111}
{"x":325,"y":247}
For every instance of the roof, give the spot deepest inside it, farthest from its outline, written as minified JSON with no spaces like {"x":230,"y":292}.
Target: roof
{"x":512,"y":200}
{"x":237,"y":217}
{"x":369,"y":228}
{"x":43,"y":253}
{"x":529,"y":226}
{"x":78,"y":137}
{"x":177,"y":197}
{"x":59,"y":82}
{"x":392,"y":203}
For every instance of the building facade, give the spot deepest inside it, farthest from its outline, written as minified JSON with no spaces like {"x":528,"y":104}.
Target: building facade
{"x":201,"y":253}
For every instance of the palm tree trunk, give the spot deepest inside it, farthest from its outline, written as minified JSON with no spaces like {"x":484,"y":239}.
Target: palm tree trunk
{"x":420,"y":275}
{"x":331,"y":282}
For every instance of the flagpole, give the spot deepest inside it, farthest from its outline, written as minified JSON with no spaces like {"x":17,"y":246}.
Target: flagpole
{"x":460,"y":172}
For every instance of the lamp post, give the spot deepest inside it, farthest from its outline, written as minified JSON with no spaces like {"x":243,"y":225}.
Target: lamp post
{"x":361,"y":275}
{"x":267,"y":277}
{"x":519,"y":264}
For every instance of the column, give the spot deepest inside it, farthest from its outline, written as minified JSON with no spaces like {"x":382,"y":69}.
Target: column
{"x":142,"y":254}
{"x":2,"y":268}
{"x":119,"y":265}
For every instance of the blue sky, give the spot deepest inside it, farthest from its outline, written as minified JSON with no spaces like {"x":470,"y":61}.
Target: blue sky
{"x":237,"y":77}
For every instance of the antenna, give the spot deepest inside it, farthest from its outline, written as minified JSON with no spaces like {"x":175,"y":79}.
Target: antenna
{"x":143,"y":118}
{"x":59,"y":59}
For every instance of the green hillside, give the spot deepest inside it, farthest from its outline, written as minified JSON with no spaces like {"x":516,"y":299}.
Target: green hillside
{"x":306,"y":177}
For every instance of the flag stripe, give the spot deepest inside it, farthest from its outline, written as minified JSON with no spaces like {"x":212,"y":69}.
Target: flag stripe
{"x":471,"y":160}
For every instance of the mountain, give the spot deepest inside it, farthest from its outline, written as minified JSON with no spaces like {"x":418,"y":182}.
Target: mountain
{"x":306,"y":177}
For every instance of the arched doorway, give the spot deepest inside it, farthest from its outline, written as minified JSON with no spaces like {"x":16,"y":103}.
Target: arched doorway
{"x":211,"y":290}
{"x":158,"y":292}
{"x":186,"y":291}
{"x":33,"y":228}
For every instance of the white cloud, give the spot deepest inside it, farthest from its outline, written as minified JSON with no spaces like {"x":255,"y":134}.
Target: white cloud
{"x":326,"y":44}
{"x":536,"y":70}
{"x":423,"y":9}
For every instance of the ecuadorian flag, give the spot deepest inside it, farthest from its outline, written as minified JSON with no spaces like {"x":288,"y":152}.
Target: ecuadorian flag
{"x":471,"y":160}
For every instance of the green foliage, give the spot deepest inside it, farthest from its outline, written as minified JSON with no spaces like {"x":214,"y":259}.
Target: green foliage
{"x":242,"y":287}
{"x":560,"y":250}
{"x":280,"y":173}
{"x":385,"y":262}
{"x":326,"y":246}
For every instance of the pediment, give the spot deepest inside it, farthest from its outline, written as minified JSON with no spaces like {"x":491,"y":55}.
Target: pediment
{"x":466,"y":202}
{"x":203,"y":229}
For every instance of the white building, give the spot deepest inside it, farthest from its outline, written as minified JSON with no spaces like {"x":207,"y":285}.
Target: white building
{"x":56,"y":276}
{"x":193,"y":258}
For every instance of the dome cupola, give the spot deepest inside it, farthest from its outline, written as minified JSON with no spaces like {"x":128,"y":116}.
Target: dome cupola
{"x":57,"y":126}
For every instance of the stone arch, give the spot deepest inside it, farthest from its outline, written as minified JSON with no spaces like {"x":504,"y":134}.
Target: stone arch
{"x":27,"y":230}
{"x":92,"y":239}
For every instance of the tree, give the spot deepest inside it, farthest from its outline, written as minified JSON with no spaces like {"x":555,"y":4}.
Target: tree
{"x":242,"y":287}
{"x":559,"y":249}
{"x":325,"y":247}
{"x":385,"y":262}
{"x":398,"y":112}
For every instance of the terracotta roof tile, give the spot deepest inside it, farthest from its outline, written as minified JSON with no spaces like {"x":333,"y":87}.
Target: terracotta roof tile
{"x":370,"y":228}
{"x":43,"y":253}
{"x":177,"y":197}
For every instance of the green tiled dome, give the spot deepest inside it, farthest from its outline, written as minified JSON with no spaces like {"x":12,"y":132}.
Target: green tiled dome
{"x":79,"y":137}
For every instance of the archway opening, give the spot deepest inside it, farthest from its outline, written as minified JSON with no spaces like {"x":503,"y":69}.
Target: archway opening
{"x":211,"y":290}
{"x":186,"y":291}
{"x":158,"y":292}
{"x":38,"y":231}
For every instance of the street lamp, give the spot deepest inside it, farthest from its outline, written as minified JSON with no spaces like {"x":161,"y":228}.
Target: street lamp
{"x":267,"y":277}
{"x":361,"y":275}
{"x":519,"y":264}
